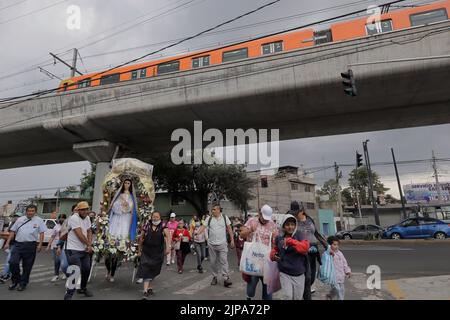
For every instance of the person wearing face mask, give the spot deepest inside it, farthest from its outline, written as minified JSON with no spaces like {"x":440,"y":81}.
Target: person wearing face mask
{"x":199,"y":242}
{"x":60,"y":260}
{"x":154,"y":242}
{"x":181,"y":237}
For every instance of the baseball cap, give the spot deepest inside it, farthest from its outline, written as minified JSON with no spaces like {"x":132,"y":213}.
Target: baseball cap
{"x":173,"y":215}
{"x":266,"y":212}
{"x":82,"y":205}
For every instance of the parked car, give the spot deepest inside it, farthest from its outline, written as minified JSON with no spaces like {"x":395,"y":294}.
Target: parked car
{"x":361,"y":232}
{"x":418,"y":228}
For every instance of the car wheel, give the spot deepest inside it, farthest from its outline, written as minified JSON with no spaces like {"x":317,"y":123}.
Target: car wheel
{"x":439,"y":235}
{"x":347,"y":237}
{"x":396,"y":236}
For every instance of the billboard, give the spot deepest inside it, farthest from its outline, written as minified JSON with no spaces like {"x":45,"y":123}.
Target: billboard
{"x":426,"y":192}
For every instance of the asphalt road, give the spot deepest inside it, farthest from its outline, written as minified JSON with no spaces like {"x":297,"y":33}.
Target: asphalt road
{"x":396,"y":260}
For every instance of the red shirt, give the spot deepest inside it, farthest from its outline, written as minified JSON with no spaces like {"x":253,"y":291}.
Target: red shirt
{"x":181,"y":233}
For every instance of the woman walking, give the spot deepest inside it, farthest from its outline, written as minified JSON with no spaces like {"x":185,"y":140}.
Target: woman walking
{"x":60,"y":261}
{"x":151,"y":251}
{"x":199,"y":242}
{"x":181,"y":238}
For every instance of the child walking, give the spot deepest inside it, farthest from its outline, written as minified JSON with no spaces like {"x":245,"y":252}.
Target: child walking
{"x":290,"y":252}
{"x":341,"y":270}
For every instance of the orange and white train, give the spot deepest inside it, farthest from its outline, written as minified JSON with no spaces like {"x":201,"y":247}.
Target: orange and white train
{"x":355,"y":28}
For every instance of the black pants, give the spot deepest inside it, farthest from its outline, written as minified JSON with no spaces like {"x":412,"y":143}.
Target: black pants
{"x":82,"y":260}
{"x":310,"y":274}
{"x":111,"y":265}
{"x":25,"y":252}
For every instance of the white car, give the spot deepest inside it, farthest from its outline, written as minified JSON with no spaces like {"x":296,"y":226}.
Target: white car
{"x":50,"y":223}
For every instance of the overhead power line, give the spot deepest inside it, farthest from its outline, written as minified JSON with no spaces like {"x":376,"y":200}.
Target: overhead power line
{"x":32,"y":12}
{"x":12,"y":5}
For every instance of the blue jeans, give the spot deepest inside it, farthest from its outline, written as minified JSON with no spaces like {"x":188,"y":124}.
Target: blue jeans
{"x":60,"y":262}
{"x":200,"y":248}
{"x":251,"y":288}
{"x":6,"y":269}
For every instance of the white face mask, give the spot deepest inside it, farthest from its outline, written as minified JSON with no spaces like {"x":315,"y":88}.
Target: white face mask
{"x":156,"y":223}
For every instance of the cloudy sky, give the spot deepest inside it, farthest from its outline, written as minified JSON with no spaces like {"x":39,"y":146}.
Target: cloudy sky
{"x":113,"y":32}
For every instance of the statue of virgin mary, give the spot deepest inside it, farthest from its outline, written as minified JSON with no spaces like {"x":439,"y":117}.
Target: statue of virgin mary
{"x":123,"y":219}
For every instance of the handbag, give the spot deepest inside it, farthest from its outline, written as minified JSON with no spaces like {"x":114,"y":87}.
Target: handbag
{"x":327,"y":273}
{"x":253,"y":257}
{"x":177,"y":245}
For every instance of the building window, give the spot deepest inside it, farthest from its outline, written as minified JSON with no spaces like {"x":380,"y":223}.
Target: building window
{"x":423,"y":18}
{"x":235,"y":55}
{"x":385,"y":26}
{"x":168,"y":67}
{"x":323,"y":36}
{"x":84,"y":83}
{"x":310,"y":205}
{"x":49,"y":207}
{"x":200,"y":62}
{"x":294,"y":186}
{"x":273,"y":47}
{"x":177,"y":201}
{"x":138,"y":74}
{"x":110,"y":79}
{"x":264,"y":183}
{"x":308,"y":189}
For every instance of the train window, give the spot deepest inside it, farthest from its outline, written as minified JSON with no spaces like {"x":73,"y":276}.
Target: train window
{"x":323,"y":36}
{"x":110,"y":79}
{"x":138,"y":74}
{"x":384,"y":26}
{"x":422,"y":18}
{"x":84,"y":83}
{"x":168,"y":67}
{"x":235,"y":55}
{"x":200,"y":62}
{"x":273,"y":47}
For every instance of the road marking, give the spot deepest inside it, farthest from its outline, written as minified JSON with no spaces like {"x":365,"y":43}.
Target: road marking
{"x":395,"y":290}
{"x":197,"y":286}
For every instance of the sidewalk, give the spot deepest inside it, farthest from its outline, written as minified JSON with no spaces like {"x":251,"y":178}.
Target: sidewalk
{"x":421,"y":288}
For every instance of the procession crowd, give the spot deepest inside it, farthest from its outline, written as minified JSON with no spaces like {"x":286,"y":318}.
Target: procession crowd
{"x":293,"y":248}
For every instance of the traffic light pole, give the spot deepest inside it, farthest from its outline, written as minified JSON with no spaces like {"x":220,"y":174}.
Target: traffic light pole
{"x":369,"y":175}
{"x":339,"y":203}
{"x":399,"y":185}
{"x":357,"y":185}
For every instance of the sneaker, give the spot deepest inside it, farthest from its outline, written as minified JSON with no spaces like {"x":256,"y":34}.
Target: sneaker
{"x":200,"y":270}
{"x":63,"y":277}
{"x":86,"y":292}
{"x":173,"y":261}
{"x":214,"y":281}
{"x":180,"y":271}
{"x":145,"y":296}
{"x":313,"y":290}
{"x":227,"y":282}
{"x":54,"y":279}
{"x":139,"y":281}
{"x":13,"y":286}
{"x":21,"y":288}
{"x":111,"y":279}
{"x":168,"y":263}
{"x":206,"y":259}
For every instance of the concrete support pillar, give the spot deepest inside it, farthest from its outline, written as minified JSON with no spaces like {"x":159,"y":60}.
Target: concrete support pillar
{"x":100,"y":173}
{"x":101,"y":153}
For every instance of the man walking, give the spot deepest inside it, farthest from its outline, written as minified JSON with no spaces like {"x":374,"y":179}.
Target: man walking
{"x":28,"y":235}
{"x":79,"y":246}
{"x":218,"y":227}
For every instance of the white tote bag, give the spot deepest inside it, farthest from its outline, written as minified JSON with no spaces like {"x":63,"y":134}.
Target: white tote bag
{"x":253,"y":256}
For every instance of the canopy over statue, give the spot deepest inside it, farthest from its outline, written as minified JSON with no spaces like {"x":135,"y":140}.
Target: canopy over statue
{"x":128,"y":195}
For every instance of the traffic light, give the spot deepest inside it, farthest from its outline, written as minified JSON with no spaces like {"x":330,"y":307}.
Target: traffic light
{"x":349,"y":83}
{"x":358,"y":160}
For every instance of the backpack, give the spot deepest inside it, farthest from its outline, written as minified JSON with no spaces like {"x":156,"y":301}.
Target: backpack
{"x":226,"y":229}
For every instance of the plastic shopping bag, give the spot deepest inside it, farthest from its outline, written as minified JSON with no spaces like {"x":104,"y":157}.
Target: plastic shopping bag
{"x":253,"y":257}
{"x":326,"y":271}
{"x":271,"y":276}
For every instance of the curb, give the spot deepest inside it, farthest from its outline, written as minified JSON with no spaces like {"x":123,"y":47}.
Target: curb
{"x":401,"y":241}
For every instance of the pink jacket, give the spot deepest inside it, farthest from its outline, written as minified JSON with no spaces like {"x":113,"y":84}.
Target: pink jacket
{"x":341,"y":266}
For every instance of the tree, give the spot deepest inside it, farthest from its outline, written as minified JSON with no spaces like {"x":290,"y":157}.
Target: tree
{"x":87,"y":182}
{"x":330,"y":189}
{"x":195,"y":182}
{"x":348,"y":197}
{"x":70,"y":189}
{"x":359,"y":181}
{"x":389,"y":198}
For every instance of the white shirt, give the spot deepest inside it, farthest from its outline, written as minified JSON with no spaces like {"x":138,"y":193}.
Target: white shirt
{"x":55,"y":235}
{"x":29,"y":231}
{"x":217,"y":230}
{"x":75,"y":222}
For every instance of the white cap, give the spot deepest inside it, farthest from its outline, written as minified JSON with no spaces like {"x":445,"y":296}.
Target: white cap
{"x":266,"y":211}
{"x":173,"y":215}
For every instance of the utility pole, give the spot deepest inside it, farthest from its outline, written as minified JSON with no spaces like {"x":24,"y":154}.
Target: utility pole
{"x":339,"y":204}
{"x":72,"y":67}
{"x":371,"y":191}
{"x":358,"y":164}
{"x":399,"y":185}
{"x":436,"y":177}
